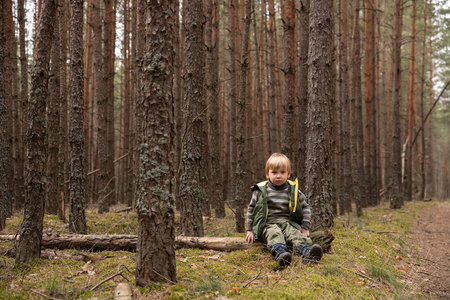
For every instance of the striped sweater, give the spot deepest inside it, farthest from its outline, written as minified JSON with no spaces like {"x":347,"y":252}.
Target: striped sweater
{"x":278,"y":205}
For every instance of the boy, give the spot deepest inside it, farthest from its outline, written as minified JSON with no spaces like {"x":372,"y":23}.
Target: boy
{"x":279,"y":215}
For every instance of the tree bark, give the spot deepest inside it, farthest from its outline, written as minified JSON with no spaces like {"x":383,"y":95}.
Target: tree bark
{"x":153,"y":197}
{"x":344,"y":96}
{"x":319,"y":181}
{"x":109,"y":57}
{"x":303,"y":88}
{"x":273,"y":127}
{"x":431,"y":190}
{"x":31,"y":233}
{"x":63,"y":153}
{"x":423,"y":146}
{"x":232,"y":98}
{"x":88,"y":101}
{"x":396,"y":194}
{"x":53,"y":203}
{"x":3,"y":119}
{"x":212,"y":85}
{"x":124,"y":175}
{"x":240,"y":131}
{"x":103,"y":180}
{"x":290,"y":118}
{"x":20,"y":165}
{"x":356,"y":116}
{"x":11,"y":95}
{"x":191,"y":182}
{"x":77,"y":217}
{"x":408,"y":176}
{"x":369,"y":87}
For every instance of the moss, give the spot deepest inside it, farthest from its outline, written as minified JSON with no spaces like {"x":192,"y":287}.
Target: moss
{"x":360,"y":250}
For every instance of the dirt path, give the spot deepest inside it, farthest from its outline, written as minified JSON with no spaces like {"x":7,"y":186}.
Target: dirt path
{"x":431,"y":241}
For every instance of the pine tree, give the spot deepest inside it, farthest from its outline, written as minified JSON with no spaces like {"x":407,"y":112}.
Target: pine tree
{"x":31,"y":233}
{"x":77,"y":217}
{"x":319,"y":181}
{"x":154,"y":199}
{"x":191,"y":181}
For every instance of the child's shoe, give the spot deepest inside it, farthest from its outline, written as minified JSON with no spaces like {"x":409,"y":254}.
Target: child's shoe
{"x":281,"y":254}
{"x":311,"y":254}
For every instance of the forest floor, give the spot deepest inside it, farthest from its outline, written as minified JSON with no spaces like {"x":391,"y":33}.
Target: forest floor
{"x":430,"y":245}
{"x":385,"y":254}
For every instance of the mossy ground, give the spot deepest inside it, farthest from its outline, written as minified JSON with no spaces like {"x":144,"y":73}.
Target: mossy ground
{"x":368,"y":261}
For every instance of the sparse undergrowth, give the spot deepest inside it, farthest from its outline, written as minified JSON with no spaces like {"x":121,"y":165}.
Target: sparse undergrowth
{"x":368,"y":261}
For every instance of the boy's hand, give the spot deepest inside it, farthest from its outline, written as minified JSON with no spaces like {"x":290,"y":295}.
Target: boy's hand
{"x":305,"y":232}
{"x":250,"y":238}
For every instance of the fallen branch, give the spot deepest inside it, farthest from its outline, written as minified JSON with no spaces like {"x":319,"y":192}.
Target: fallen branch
{"x":124,"y":242}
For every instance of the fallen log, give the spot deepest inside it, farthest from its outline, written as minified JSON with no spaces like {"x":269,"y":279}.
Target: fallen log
{"x":127,"y":242}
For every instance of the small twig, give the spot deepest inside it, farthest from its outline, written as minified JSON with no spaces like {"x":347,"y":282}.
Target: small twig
{"x":43,"y":295}
{"x":226,"y":202}
{"x":429,"y":112}
{"x":105,"y":280}
{"x":428,"y":274}
{"x":362,"y":275}
{"x":257,"y":276}
{"x":359,"y":274}
{"x":164,"y":277}
{"x":120,"y":158}
{"x":92,"y":172}
{"x":106,"y":196}
{"x":240,"y":271}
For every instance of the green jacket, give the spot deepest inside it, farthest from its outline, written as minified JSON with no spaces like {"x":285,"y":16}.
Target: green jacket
{"x":261,"y":209}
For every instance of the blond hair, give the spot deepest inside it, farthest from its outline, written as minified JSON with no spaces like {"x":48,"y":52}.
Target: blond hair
{"x":277,"y":160}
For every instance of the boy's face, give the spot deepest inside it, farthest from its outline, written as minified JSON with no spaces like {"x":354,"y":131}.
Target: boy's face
{"x":278,"y":176}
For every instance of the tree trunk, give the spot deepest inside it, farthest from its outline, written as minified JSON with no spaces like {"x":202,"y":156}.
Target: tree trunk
{"x":103,"y":181}
{"x":53,"y":203}
{"x":4,"y":151}
{"x":408,"y":178}
{"x":31,"y":233}
{"x":261,"y":140}
{"x":11,"y":100}
{"x":77,"y":217}
{"x":20,"y":165}
{"x":396,"y":194}
{"x":180,"y":109}
{"x":154,"y":199}
{"x":126,"y":149}
{"x":431,"y":190}
{"x":128,"y":242}
{"x":423,"y":147}
{"x":385,"y":110}
{"x":63,"y":153}
{"x":319,"y":181}
{"x":232,"y":98}
{"x":240,"y":131}
{"x":212,"y":62}
{"x":290,"y":118}
{"x":369,"y":87}
{"x":88,"y":100}
{"x":273,"y":134}
{"x":303,"y":19}
{"x":346,"y":146}
{"x":109,"y":57}
{"x":356,"y":116}
{"x":191,"y":182}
